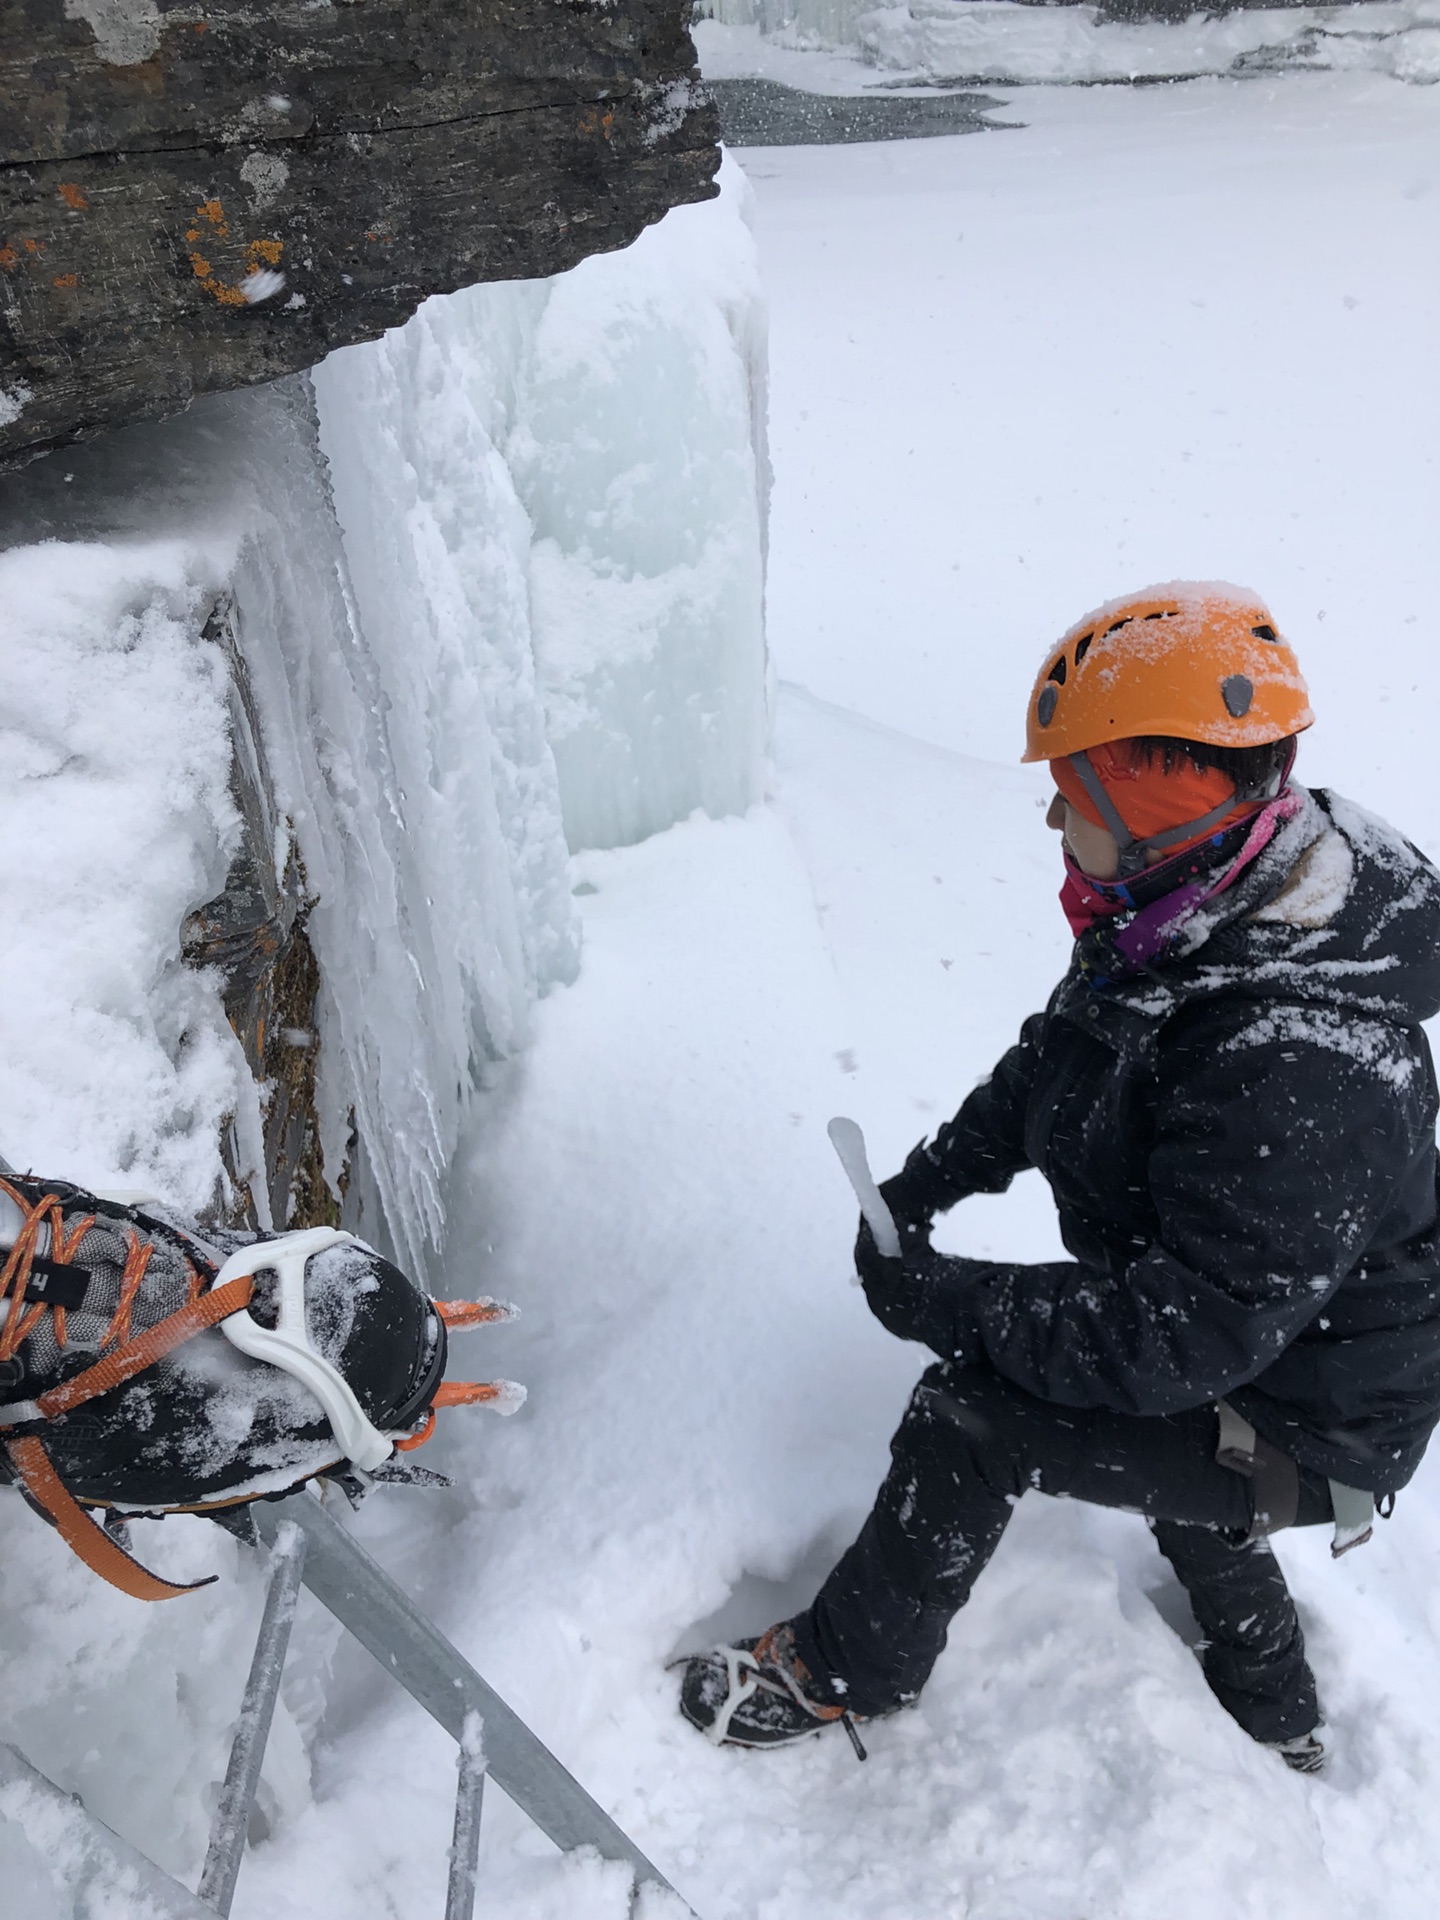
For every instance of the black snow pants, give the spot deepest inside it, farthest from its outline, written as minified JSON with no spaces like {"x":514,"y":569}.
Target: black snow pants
{"x":969,"y":1446}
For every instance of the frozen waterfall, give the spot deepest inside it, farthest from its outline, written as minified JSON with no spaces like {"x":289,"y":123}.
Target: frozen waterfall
{"x":497,"y":582}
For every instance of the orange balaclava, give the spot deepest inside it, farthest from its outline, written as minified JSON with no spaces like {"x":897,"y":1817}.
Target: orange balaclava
{"x":1149,"y":800}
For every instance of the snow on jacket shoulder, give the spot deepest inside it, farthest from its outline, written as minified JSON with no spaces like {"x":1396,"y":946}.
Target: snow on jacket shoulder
{"x":1241,"y":1146}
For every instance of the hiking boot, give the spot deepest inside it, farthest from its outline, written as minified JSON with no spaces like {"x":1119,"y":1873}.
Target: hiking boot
{"x":145,"y":1369}
{"x":759,"y":1693}
{"x":1304,"y":1754}
{"x":203,"y":1424}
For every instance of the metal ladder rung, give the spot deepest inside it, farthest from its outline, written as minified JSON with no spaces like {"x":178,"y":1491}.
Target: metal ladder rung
{"x":231,"y":1825}
{"x":465,"y":1847}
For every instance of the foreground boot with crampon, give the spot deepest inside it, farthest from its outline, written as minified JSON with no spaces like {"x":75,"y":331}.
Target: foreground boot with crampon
{"x":148,"y":1369}
{"x":760,"y":1693}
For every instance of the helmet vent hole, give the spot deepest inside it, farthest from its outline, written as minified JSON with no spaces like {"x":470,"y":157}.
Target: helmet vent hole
{"x":1046,"y":704}
{"x":1237,"y":692}
{"x":1265,"y":632}
{"x":1082,"y":647}
{"x":1116,"y":625}
{"x":1057,"y":672}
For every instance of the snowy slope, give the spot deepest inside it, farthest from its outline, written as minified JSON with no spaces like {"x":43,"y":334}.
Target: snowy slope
{"x":973,"y":440}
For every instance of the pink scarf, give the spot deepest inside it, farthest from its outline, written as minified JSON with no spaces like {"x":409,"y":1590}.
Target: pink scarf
{"x":1153,"y":928}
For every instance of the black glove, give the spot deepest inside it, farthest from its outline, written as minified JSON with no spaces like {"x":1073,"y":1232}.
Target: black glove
{"x":921,"y":1296}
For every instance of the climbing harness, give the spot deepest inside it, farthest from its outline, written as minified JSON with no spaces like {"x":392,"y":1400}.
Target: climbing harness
{"x":1275,"y":1478}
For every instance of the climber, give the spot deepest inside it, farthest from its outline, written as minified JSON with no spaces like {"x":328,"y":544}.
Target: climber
{"x":1233,"y":1102}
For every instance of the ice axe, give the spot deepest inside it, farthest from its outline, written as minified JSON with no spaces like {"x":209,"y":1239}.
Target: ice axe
{"x":849,"y":1142}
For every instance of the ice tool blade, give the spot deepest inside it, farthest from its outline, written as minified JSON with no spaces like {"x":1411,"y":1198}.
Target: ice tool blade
{"x":849,"y":1142}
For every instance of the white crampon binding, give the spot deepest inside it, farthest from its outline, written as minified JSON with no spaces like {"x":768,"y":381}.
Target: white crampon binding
{"x":737,"y":1691}
{"x":287,"y":1344}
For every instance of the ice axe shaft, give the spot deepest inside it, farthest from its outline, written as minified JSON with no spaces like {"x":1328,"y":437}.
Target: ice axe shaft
{"x":849,"y":1142}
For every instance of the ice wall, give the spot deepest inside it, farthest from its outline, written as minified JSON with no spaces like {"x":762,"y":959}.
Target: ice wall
{"x":996,"y":40}
{"x":576,"y":466}
{"x":522,"y":532}
{"x":410,"y":760}
{"x":639,"y":450}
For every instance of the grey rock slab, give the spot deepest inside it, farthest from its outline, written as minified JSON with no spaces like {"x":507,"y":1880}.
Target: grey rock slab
{"x":202,"y":196}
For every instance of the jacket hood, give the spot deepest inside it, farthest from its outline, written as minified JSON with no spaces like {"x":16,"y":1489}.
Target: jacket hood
{"x":1339,"y":910}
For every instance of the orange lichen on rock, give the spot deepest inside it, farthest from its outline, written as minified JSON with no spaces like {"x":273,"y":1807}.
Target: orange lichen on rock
{"x":267,"y":250}
{"x":72,"y":195}
{"x":8,"y":255}
{"x":65,"y":280}
{"x":212,"y":211}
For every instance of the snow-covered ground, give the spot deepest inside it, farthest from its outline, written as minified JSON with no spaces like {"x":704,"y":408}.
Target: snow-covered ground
{"x":1181,"y":331}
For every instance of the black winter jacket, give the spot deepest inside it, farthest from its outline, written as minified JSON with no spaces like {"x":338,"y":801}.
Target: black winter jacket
{"x":1241,"y":1146}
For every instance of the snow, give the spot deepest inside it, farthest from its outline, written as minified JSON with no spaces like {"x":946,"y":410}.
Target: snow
{"x":1236,"y":282}
{"x":939,"y":42}
{"x":117,"y":1065}
{"x":1157,"y":333}
{"x":114,"y":791}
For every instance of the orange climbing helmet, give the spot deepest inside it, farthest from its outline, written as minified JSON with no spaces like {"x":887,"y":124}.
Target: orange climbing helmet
{"x":1193,"y":660}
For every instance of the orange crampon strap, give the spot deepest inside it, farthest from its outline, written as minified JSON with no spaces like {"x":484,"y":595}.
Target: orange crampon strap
{"x":146,"y":1348}
{"x":87,"y":1541}
{"x":16,"y":1270}
{"x":32,"y":1464}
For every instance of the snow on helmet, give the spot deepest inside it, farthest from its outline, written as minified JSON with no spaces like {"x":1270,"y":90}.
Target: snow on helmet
{"x":1191,"y":660}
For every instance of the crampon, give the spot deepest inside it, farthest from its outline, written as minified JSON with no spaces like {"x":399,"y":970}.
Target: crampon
{"x":148,"y":1369}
